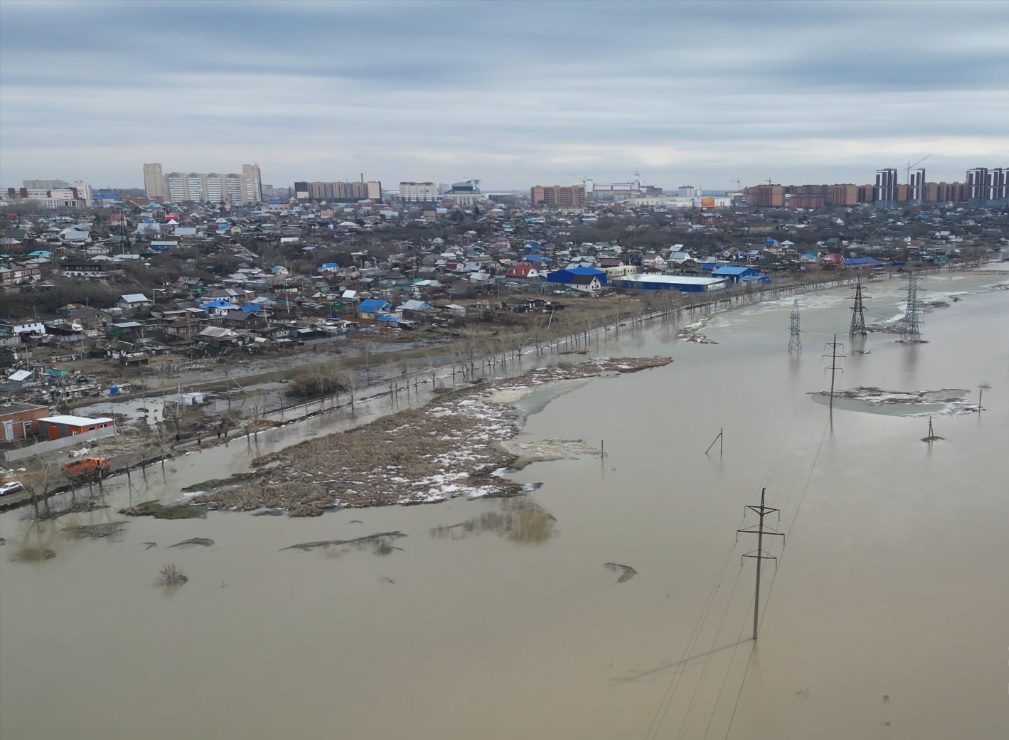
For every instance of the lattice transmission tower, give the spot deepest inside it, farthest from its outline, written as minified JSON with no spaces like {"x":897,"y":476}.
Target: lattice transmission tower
{"x":794,"y":339}
{"x":910,"y":331}
{"x":857,"y":313}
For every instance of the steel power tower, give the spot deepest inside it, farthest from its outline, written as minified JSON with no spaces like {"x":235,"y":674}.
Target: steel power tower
{"x":759,"y":554}
{"x":794,"y":340}
{"x":857,"y":313}
{"x":910,"y":331}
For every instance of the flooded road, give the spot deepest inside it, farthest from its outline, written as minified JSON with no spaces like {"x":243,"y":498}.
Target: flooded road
{"x":886,"y":616}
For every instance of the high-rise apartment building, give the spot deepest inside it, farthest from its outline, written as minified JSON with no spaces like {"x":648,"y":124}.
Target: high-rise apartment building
{"x":842,"y":195}
{"x":886,"y":187}
{"x":243,"y":188}
{"x":558,"y":196}
{"x":977,"y":185}
{"x":916,"y":186}
{"x":766,"y":196}
{"x":154,"y":181}
{"x":252,"y":183}
{"x":998,"y":185}
{"x":339,"y":192}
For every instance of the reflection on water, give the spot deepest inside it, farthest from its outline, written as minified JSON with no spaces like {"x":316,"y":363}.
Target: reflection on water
{"x":533,"y":634}
{"x":518,"y":519}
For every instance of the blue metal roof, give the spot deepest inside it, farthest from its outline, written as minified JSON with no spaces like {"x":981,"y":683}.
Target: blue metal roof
{"x":371,"y":305}
{"x":861,"y":261}
{"x":731,"y":271}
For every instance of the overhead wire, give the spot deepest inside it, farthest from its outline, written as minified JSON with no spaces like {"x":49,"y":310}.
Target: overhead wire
{"x":675,"y":679}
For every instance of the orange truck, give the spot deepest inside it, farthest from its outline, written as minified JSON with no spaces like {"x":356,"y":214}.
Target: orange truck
{"x":88,"y":467}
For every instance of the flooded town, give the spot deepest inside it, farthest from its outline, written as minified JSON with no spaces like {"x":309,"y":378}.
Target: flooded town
{"x":497,"y":370}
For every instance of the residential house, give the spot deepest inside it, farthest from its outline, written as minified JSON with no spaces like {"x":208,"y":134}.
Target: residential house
{"x":92,"y":270}
{"x":218,"y":336}
{"x":586,"y":283}
{"x":373,"y":308}
{"x":523,"y":271}
{"x":134,"y":302}
{"x":20,"y":275}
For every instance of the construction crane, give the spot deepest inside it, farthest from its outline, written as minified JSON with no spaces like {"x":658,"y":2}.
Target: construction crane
{"x":907,"y":172}
{"x":582,"y":180}
{"x":738,"y":184}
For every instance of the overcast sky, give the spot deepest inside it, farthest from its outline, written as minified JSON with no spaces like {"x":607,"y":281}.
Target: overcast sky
{"x":514,"y":92}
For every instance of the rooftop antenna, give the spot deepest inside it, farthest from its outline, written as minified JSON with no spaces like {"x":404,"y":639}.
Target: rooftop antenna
{"x":794,"y":340}
{"x":910,"y":332}
{"x":857,"y":312}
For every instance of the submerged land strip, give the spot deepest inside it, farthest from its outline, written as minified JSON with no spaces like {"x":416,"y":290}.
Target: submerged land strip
{"x":454,"y":446}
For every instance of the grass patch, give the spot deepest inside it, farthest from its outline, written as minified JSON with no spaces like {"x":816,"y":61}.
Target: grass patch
{"x":159,"y":511}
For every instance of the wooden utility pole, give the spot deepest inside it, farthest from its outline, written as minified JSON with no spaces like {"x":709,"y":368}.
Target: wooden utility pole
{"x":718,"y":439}
{"x":759,"y":554}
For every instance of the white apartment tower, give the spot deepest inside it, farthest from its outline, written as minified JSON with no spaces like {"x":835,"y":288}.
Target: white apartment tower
{"x":419,"y":192}
{"x":243,"y":188}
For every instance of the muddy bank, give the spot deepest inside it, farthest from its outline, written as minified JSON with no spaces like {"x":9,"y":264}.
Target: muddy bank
{"x":449,"y":448}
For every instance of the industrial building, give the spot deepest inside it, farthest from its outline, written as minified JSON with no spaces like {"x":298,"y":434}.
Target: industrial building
{"x":57,"y":427}
{"x":684,"y":283}
{"x":18,"y":420}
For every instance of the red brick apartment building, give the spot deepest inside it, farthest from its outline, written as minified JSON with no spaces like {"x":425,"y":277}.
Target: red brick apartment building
{"x":558,"y":196}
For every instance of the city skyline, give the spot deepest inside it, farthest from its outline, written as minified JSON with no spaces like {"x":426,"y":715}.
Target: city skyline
{"x":683,"y":93}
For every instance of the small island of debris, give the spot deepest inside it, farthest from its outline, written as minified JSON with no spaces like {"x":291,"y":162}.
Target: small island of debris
{"x":449,"y":448}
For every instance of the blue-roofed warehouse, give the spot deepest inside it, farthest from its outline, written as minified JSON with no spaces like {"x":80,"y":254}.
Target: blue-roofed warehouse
{"x":734,"y":273}
{"x":862,"y":262}
{"x":566,"y":275}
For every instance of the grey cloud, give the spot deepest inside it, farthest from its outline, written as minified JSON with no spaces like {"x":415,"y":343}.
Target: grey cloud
{"x":524,"y":91}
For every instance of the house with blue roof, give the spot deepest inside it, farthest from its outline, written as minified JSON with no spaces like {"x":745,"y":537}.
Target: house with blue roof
{"x":219,"y":307}
{"x":373,"y":308}
{"x":567,"y":275}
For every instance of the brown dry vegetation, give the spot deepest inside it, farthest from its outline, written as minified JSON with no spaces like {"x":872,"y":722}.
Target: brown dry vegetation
{"x":171,"y":576}
{"x":415,"y":456}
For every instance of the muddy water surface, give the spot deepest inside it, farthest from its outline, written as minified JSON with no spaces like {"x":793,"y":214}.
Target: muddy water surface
{"x":887,"y":614}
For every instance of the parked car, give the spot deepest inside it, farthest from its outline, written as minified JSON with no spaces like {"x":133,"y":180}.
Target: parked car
{"x":10,"y":487}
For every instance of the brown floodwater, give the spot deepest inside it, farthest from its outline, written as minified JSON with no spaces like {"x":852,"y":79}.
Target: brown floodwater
{"x":886,"y":614}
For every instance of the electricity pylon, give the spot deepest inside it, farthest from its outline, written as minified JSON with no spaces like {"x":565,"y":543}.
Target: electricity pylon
{"x":794,"y":340}
{"x":910,"y":332}
{"x":759,"y":553}
{"x":857,"y":313}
